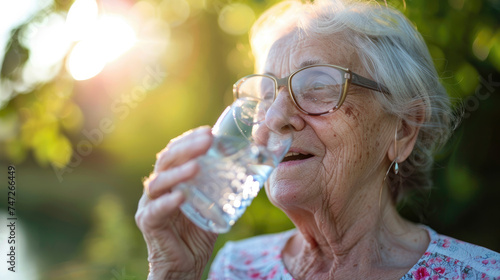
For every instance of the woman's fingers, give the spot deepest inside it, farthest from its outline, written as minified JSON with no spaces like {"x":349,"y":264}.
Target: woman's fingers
{"x":175,"y":164}
{"x":174,"y":243}
{"x":162,"y":182}
{"x":184,"y":148}
{"x":159,"y":210}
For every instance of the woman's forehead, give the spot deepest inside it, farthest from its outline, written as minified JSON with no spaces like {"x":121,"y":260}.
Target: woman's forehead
{"x":294,"y":51}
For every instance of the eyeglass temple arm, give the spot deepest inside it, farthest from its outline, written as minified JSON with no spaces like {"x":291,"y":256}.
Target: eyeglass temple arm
{"x":367,"y":83}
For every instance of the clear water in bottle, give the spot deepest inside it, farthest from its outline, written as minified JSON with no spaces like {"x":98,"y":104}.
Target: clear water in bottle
{"x":227,"y":183}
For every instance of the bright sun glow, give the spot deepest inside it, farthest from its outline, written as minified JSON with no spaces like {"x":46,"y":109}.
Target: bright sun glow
{"x":101,"y":39}
{"x":81,"y":16}
{"x":84,"y":61}
{"x":115,"y":35}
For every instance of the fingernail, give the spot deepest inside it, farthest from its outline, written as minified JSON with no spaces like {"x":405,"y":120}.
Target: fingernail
{"x":205,"y":129}
{"x":202,"y":138}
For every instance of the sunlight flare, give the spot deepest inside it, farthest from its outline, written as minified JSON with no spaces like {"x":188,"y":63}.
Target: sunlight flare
{"x":81,"y":17}
{"x":100,"y":39}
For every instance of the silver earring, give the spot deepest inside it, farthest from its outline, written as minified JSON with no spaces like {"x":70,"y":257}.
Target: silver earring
{"x":396,"y":166}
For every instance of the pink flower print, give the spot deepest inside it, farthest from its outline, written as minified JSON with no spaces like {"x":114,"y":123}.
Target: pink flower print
{"x":273,"y":272}
{"x":427,"y":253}
{"x":490,"y":260}
{"x":421,"y":274}
{"x":448,"y":259}
{"x":440,"y":270}
{"x":255,"y":275}
{"x":435,"y":277}
{"x":434,"y":260}
{"x":446,"y":243}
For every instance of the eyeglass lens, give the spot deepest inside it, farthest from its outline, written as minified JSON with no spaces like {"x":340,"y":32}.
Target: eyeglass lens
{"x":315,"y":90}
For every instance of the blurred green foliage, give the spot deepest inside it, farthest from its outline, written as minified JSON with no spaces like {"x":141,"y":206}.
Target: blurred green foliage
{"x":78,"y":200}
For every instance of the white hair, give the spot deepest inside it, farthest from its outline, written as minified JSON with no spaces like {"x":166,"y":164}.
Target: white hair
{"x":393,"y":53}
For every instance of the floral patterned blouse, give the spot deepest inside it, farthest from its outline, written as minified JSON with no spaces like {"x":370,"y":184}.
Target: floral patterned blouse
{"x":445,"y":258}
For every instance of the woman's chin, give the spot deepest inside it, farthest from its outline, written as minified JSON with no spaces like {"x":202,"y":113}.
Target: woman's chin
{"x":287,"y":194}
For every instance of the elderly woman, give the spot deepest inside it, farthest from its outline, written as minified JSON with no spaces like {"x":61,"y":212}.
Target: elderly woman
{"x":358,"y":148}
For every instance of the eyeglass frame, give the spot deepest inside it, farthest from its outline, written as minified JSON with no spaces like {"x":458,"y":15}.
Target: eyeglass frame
{"x":348,"y":78}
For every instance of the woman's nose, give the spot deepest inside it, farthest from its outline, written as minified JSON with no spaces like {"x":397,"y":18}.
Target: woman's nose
{"x":282,"y":115}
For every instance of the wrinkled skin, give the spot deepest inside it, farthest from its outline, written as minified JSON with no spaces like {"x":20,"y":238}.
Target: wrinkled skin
{"x":348,"y":227}
{"x":177,"y":248}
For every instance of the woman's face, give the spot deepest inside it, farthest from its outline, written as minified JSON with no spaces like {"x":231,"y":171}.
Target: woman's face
{"x":343,"y":154}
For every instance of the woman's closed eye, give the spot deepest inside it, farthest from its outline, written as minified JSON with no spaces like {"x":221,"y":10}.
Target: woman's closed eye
{"x":323,"y":95}
{"x":318,"y":86}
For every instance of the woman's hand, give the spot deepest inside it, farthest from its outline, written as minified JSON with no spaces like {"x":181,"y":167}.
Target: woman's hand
{"x":177,"y":248}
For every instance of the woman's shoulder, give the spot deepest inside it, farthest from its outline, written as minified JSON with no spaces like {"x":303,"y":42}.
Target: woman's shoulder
{"x":258,"y":256}
{"x":450,"y":258}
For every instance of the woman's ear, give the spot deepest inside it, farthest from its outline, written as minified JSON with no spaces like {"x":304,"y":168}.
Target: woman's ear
{"x":407,"y":132}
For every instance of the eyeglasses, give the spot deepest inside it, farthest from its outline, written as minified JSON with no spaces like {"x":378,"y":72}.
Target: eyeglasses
{"x":315,"y":90}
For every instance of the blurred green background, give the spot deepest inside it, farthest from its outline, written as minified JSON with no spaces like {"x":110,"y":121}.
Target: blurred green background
{"x":91,"y":91}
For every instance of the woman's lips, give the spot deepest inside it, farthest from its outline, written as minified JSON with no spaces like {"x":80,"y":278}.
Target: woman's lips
{"x":296,"y":156}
